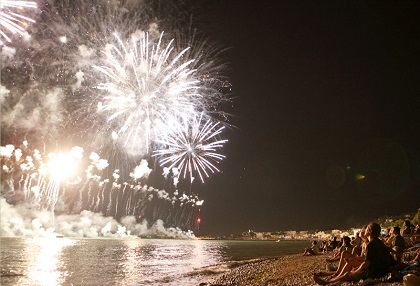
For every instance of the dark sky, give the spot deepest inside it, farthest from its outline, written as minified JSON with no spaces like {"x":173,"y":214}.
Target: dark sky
{"x":325,"y":92}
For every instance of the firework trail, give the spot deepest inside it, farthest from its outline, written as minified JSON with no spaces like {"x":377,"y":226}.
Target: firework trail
{"x":191,"y":147}
{"x":12,"y":18}
{"x":67,"y":183}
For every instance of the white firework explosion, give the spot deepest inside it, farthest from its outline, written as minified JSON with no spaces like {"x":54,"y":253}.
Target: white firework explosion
{"x":191,"y":147}
{"x":148,"y":82}
{"x":12,"y":18}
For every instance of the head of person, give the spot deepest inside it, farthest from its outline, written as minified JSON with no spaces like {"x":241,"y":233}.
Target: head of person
{"x":396,"y":230}
{"x":346,"y":241}
{"x":373,"y":229}
{"x":363,"y":232}
{"x":314,"y":242}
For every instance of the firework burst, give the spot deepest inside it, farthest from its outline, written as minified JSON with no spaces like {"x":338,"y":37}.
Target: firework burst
{"x":191,"y":147}
{"x":146,"y":82}
{"x":12,"y":20}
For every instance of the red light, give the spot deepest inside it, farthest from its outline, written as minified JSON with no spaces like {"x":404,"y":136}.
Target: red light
{"x":198,"y":220}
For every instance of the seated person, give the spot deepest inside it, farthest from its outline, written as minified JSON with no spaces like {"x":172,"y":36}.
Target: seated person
{"x":397,"y":244}
{"x":350,"y":260}
{"x":410,"y":253}
{"x":323,"y":247}
{"x":387,"y":234}
{"x":414,"y":264}
{"x":345,"y":247}
{"x":407,"y":230}
{"x":356,"y":241}
{"x":358,"y":250}
{"x":314,"y":250}
{"x":377,"y":263}
{"x":415,"y":236}
{"x":417,"y":230}
{"x":333,"y":244}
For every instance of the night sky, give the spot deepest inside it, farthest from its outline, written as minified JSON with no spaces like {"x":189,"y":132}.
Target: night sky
{"x":325,"y":110}
{"x":326,"y":114}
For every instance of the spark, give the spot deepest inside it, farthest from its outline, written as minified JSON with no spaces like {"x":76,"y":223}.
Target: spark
{"x":11,"y":21}
{"x":191,"y":148}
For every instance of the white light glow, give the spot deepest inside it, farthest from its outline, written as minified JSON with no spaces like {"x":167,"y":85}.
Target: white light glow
{"x":62,"y":166}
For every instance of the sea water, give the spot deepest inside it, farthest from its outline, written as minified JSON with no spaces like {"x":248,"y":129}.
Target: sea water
{"x":71,"y":261}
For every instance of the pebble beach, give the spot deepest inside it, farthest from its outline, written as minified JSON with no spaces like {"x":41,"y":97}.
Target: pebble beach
{"x":293,"y":270}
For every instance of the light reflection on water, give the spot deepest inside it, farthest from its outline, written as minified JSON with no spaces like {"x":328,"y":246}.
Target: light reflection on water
{"x":65,"y":261}
{"x":45,"y":269}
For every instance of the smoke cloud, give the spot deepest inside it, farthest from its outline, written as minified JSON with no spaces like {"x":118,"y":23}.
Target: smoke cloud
{"x":21,"y":221}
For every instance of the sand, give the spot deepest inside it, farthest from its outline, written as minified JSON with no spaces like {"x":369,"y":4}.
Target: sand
{"x":286,"y":271}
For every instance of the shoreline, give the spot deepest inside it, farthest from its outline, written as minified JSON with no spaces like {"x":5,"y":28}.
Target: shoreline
{"x":290,"y":270}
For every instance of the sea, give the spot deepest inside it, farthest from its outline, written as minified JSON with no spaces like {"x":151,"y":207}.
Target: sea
{"x":65,"y":261}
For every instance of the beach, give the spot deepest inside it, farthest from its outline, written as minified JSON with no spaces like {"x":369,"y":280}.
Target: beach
{"x":290,"y":270}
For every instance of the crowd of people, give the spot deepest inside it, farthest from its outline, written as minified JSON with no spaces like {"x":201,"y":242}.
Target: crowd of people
{"x":371,"y":256}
